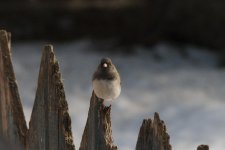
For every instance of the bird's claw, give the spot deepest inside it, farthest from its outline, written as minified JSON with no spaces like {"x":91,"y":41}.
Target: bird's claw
{"x":106,"y":108}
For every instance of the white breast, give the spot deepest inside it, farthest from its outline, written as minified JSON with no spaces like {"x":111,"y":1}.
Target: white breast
{"x":106,"y":89}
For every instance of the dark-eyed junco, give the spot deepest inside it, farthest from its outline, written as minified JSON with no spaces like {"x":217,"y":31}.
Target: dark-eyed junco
{"x":106,"y":80}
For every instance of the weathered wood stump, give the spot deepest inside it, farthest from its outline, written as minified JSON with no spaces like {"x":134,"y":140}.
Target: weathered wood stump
{"x":50,"y":124}
{"x":12,"y":121}
{"x":6,"y":145}
{"x":153,"y":135}
{"x":98,"y":133}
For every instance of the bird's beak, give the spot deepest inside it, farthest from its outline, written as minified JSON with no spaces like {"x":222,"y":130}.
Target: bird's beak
{"x":105,"y":65}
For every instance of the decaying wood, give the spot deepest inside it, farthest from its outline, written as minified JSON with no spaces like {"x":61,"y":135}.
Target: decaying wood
{"x":203,"y":147}
{"x":153,"y":135}
{"x":12,"y":121}
{"x":5,"y":145}
{"x":98,"y":133}
{"x":50,"y":124}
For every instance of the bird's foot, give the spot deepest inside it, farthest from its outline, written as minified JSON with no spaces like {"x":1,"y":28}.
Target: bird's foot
{"x":107,"y":108}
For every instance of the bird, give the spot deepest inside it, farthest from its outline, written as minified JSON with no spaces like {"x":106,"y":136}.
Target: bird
{"x":106,"y":80}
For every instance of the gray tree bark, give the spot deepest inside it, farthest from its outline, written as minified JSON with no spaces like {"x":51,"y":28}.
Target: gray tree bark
{"x":98,"y":133}
{"x":50,"y":124}
{"x":153,"y":135}
{"x":13,"y":127}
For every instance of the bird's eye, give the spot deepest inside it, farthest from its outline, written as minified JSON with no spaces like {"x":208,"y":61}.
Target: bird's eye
{"x":105,"y":65}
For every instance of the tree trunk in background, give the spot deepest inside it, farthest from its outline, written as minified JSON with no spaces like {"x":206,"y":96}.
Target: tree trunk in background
{"x":153,"y":135}
{"x":98,"y":133}
{"x":50,"y":124}
{"x":12,"y":121}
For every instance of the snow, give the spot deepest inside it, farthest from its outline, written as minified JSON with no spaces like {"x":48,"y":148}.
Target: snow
{"x":187,"y":89}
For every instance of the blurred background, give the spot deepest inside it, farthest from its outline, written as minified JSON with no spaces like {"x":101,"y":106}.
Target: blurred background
{"x":140,"y":21}
{"x":170,"y":54}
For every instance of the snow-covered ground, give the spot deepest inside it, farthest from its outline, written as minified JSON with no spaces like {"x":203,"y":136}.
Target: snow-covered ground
{"x":187,"y":90}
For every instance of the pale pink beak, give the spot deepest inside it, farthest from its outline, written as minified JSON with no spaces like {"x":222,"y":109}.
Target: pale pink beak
{"x":105,"y":65}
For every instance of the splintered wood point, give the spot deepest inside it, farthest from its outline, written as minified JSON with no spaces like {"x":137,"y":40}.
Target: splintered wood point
{"x":153,"y":135}
{"x":98,"y":133}
{"x":50,"y":124}
{"x":12,"y":121}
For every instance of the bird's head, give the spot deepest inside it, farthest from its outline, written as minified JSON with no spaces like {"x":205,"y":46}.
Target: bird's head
{"x":105,"y":64}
